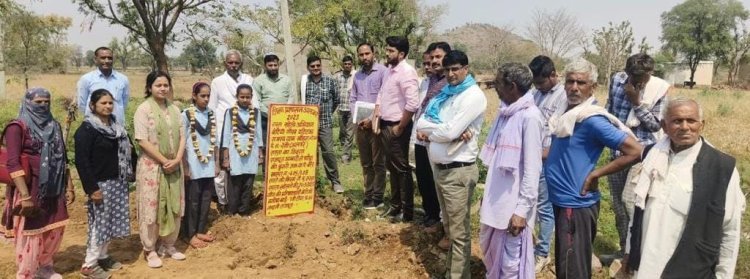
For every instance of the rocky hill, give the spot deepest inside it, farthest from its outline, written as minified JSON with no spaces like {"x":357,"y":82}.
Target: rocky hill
{"x":488,"y":46}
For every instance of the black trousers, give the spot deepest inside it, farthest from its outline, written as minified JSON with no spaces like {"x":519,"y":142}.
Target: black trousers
{"x":426,"y":183}
{"x":264,"y":126}
{"x":198,"y":194}
{"x":396,"y":150}
{"x":239,"y":194}
{"x":575,"y":230}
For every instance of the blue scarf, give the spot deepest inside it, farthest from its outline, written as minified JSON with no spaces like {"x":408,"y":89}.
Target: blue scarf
{"x":433,"y":108}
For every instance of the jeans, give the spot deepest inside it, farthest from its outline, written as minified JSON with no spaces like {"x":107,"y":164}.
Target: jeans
{"x":546,"y":219}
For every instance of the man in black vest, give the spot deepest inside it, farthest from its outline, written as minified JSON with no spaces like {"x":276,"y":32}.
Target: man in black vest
{"x":688,"y":204}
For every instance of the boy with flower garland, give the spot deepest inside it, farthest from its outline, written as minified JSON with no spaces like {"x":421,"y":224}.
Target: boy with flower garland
{"x":199,"y":122}
{"x":242,"y":149}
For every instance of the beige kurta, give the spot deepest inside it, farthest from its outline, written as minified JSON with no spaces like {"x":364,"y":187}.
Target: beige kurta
{"x":148,"y":170}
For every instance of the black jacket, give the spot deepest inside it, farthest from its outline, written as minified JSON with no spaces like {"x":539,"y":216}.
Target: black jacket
{"x":96,"y":157}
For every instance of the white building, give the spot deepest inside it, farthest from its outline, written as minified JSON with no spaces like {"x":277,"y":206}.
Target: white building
{"x":679,"y":73}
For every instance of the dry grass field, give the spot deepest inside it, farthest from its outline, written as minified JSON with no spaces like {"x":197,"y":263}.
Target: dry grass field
{"x":343,"y":240}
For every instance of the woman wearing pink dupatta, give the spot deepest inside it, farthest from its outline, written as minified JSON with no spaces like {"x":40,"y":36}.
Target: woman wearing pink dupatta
{"x":513,"y":155}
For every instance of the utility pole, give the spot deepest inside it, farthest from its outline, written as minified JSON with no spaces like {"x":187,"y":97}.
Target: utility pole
{"x":291,"y":68}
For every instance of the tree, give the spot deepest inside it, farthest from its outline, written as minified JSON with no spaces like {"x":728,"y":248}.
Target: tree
{"x":35,"y":43}
{"x":252,"y":46}
{"x":556,"y":33}
{"x":333,"y":28}
{"x":613,"y":44}
{"x":740,"y":44}
{"x":698,"y":30}
{"x":644,"y":47}
{"x":124,"y":51}
{"x":151,"y":22}
{"x":78,"y":59}
{"x":200,"y":54}
{"x":90,"y":58}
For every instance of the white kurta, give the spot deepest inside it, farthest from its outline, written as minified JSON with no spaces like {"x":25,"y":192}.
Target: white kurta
{"x":667,"y":210}
{"x":224,"y":95}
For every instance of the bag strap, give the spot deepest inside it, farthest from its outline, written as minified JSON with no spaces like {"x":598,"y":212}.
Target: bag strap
{"x":646,"y":149}
{"x":23,"y":131}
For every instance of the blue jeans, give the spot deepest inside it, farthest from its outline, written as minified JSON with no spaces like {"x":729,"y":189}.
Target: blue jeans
{"x":546,"y":219}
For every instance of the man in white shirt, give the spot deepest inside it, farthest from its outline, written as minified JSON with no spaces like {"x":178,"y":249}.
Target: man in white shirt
{"x":458,"y":108}
{"x":224,"y":96}
{"x":688,"y":201}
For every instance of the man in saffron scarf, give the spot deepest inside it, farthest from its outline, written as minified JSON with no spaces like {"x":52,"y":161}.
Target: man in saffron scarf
{"x":513,"y":156}
{"x":457,"y":108}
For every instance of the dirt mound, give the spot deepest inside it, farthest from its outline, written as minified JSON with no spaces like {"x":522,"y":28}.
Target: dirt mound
{"x":319,"y":245}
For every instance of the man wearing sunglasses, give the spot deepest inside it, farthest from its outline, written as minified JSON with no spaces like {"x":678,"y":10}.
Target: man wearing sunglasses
{"x":459,"y":107}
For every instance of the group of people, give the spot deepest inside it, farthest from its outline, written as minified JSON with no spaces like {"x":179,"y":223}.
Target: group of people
{"x":541,"y":155}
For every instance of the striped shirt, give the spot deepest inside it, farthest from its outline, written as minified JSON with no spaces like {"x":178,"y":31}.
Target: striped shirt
{"x":324,"y":93}
{"x":345,"y":87}
{"x":619,"y":106}
{"x":549,"y":102}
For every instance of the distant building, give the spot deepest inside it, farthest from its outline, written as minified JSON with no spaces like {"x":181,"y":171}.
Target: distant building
{"x":679,"y":73}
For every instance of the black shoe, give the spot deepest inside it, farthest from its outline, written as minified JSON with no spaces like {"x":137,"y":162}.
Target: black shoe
{"x":392,"y":212}
{"x":109,"y":264}
{"x":429,"y":222}
{"x":367,"y":204}
{"x":607,"y":259}
{"x":407,"y":216}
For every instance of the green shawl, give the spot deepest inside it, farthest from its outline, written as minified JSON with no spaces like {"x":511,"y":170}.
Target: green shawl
{"x":170,"y":185}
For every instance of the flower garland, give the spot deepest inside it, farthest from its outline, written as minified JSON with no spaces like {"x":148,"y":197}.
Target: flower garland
{"x":194,"y":134}
{"x":236,"y":135}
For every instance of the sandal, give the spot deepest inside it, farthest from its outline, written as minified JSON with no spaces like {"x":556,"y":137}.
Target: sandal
{"x":152,"y":259}
{"x":206,"y":237}
{"x":197,"y":243}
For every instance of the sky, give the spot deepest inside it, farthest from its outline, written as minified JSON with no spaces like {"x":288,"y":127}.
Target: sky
{"x":644,"y":16}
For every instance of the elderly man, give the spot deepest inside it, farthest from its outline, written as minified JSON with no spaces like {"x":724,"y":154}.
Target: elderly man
{"x":513,"y":156}
{"x":395,"y":106}
{"x":323,"y":90}
{"x":580,"y":131}
{"x":104,"y":77}
{"x":271,"y":88}
{"x":223,"y":97}
{"x":365,"y":88}
{"x":637,"y":99}
{"x":549,"y":96}
{"x":457,"y":108}
{"x":346,"y":127}
{"x":688,"y":203}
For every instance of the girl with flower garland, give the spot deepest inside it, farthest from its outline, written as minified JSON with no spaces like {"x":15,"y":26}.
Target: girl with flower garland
{"x":242,"y":149}
{"x":201,"y":166}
